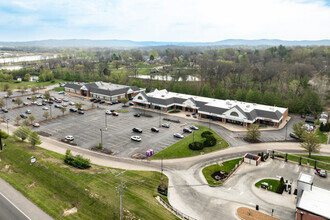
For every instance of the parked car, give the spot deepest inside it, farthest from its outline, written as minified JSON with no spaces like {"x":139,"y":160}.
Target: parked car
{"x":97,"y":100}
{"x":92,"y":100}
{"x":64,"y":105}
{"x":102,"y":102}
{"x":194,"y":128}
{"x":39,"y":104}
{"x":6,"y":96}
{"x":50,"y":102}
{"x":108,"y":112}
{"x":44,"y":103}
{"x":165,"y":125}
{"x":36,"y":125}
{"x":69,"y":138}
{"x":34,"y":103}
{"x":115,"y":114}
{"x":61,"y":92}
{"x":115,"y":102}
{"x":177,"y":135}
{"x":138,"y":130}
{"x":57,"y":106}
{"x":73,"y":110}
{"x":110,"y":103}
{"x":137,"y":115}
{"x":4,"y":110}
{"x":65,"y":100}
{"x":58,"y":101}
{"x":23,"y":116}
{"x":187,"y":130}
{"x":29,"y":97}
{"x":154,"y":129}
{"x":323,"y":173}
{"x":44,"y":108}
{"x":13,"y":100}
{"x":136,"y":138}
{"x":81,"y":112}
{"x":71,"y":103}
{"x":28,"y":111}
{"x":293,"y":135}
{"x":25,"y":103}
{"x":130,"y":103}
{"x":81,"y":109}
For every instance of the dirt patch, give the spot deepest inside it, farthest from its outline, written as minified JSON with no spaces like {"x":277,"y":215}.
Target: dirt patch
{"x":129,"y":215}
{"x":6,"y":167}
{"x":102,"y":150}
{"x":70,"y":211}
{"x":139,"y":156}
{"x":69,"y":142}
{"x":250,"y":214}
{"x":44,"y":134}
{"x":31,"y":185}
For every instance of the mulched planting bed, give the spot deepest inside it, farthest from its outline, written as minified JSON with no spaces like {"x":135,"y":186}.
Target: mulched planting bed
{"x":45,"y":134}
{"x":102,"y":150}
{"x":219,"y":175}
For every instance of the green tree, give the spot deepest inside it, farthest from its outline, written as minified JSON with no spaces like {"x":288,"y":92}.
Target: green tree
{"x":22,"y":132}
{"x":2,"y":103}
{"x":63,"y":109}
{"x":206,"y":90}
{"x":45,"y":115}
{"x":253,"y":132}
{"x":22,"y":90}
{"x":34,"y":139}
{"x":32,"y":118}
{"x":47,"y":95}
{"x":33,"y":98}
{"x":6,"y":86}
{"x":17,"y":119}
{"x":311,"y":143}
{"x":240,"y":95}
{"x":253,"y":96}
{"x":18,"y":101}
{"x":9,"y":92}
{"x":124,"y":101}
{"x":299,"y":129}
{"x":27,"y":77}
{"x":78,"y":105}
{"x":26,"y":122}
{"x":33,"y":89}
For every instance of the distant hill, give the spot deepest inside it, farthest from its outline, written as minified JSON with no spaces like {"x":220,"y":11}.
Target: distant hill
{"x":135,"y":44}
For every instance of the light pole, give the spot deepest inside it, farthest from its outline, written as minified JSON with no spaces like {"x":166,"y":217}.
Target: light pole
{"x":50,"y":110}
{"x":101,"y":138}
{"x":7,"y":126}
{"x":106,"y":121}
{"x":286,"y":129}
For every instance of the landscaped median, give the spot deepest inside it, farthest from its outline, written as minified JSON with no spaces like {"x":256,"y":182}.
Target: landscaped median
{"x":271,"y":184}
{"x":181,"y":148}
{"x":56,"y":187}
{"x":214,"y":174}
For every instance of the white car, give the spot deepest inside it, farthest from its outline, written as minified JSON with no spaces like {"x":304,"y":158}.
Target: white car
{"x":44,"y":108}
{"x":65,"y":100}
{"x":108,"y":112}
{"x":71,"y":103}
{"x":28,"y":111}
{"x":61,"y":92}
{"x":136,"y":138}
{"x":177,"y":135}
{"x":194,"y":128}
{"x":64,"y":105}
{"x":69,"y":138}
{"x":39,"y":104}
{"x":165,"y":125}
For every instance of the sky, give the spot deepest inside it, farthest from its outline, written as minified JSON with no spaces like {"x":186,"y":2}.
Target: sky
{"x":164,"y":20}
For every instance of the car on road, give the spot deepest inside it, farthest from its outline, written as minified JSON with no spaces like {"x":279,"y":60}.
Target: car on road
{"x":13,"y":100}
{"x":23,"y":116}
{"x":73,"y":110}
{"x":136,"y":138}
{"x":137,"y":115}
{"x":4,"y":110}
{"x":36,"y":125}
{"x":154,"y":129}
{"x":193,"y":128}
{"x":69,"y":138}
{"x":108,"y":112}
{"x":138,"y":130}
{"x":115,"y":114}
{"x":71,"y":103}
{"x":81,"y":112}
{"x":165,"y":125}
{"x":321,"y":173}
{"x":177,"y":135}
{"x":28,"y":111}
{"x":44,"y":108}
{"x":187,"y":130}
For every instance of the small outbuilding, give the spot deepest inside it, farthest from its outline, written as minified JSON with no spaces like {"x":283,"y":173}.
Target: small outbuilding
{"x":252,"y":159}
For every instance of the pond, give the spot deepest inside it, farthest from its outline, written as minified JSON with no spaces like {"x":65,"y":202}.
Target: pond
{"x":26,"y":58}
{"x":168,"y":78}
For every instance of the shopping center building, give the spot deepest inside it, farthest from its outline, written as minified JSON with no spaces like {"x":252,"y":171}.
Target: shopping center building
{"x":103,"y":91}
{"x":226,"y":111}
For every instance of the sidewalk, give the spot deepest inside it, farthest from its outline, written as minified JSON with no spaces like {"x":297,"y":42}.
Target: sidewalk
{"x":228,"y":126}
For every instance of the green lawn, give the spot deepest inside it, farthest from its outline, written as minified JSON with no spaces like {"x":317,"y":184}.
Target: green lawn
{"x":122,"y":111}
{"x":58,"y":89}
{"x":273,"y":184}
{"x":180,"y":148}
{"x":14,"y":85}
{"x":323,"y":137}
{"x":227,"y":167}
{"x":311,"y":160}
{"x":54,"y":186}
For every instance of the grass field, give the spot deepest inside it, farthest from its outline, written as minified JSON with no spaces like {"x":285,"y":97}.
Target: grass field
{"x":54,"y":186}
{"x":180,"y":149}
{"x":323,"y":137}
{"x":13,"y":85}
{"x":227,"y":167}
{"x":311,"y":160}
{"x":272,"y":184}
{"x":58,"y":89}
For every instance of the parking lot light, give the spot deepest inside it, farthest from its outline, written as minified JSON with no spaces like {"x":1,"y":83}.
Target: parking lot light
{"x":7,"y":126}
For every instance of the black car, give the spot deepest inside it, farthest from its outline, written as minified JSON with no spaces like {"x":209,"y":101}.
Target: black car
{"x":154,"y":129}
{"x":102,"y":102}
{"x":293,"y":135}
{"x":50,"y":102}
{"x":130,"y":103}
{"x":137,"y":115}
{"x":115,"y":102}
{"x":44,"y":103}
{"x":92,"y":100}
{"x":13,"y":100}
{"x":73,"y":110}
{"x":23,"y":116}
{"x":138,"y":130}
{"x":57,"y":106}
{"x":187,"y":130}
{"x":119,"y":101}
{"x":97,"y":101}
{"x":81,"y":112}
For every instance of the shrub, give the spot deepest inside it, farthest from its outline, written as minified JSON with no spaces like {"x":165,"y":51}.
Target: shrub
{"x":3,"y":134}
{"x":210,"y":141}
{"x":281,"y":186}
{"x":317,"y":122}
{"x":76,"y":161}
{"x":196,"y":146}
{"x":325,"y":128}
{"x":206,"y":133}
{"x":100,"y":145}
{"x":174,"y":111}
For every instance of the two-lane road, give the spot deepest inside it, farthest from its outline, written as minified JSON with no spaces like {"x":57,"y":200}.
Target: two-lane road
{"x":8,"y":210}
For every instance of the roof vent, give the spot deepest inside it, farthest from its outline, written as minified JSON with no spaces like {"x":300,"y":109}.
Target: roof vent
{"x":247,"y":106}
{"x":163,"y":96}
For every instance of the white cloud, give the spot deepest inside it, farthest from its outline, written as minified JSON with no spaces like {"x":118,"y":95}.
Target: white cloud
{"x":180,"y":20}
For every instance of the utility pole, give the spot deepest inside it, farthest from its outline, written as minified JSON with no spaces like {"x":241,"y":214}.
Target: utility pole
{"x":101,"y":138}
{"x":7,"y":126}
{"x":106,"y":122}
{"x":122,"y":185}
{"x":161,"y":169}
{"x":160,"y":120}
{"x":50,"y":110}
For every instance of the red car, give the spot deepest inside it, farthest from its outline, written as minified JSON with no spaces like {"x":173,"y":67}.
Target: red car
{"x":58,"y":101}
{"x":115,"y":113}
